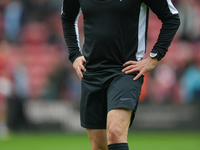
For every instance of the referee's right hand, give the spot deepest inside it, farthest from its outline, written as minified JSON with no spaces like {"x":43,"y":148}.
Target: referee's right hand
{"x":78,"y":66}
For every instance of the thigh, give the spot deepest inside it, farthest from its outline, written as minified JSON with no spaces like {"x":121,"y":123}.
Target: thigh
{"x":118,"y":121}
{"x":93,"y":108}
{"x":124,"y":92}
{"x":98,"y":139}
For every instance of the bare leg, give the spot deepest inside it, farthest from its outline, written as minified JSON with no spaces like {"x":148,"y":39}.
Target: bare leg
{"x":118,"y":121}
{"x":98,"y":139}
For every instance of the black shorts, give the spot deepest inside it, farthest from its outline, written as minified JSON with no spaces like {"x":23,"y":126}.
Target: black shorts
{"x":103,"y":92}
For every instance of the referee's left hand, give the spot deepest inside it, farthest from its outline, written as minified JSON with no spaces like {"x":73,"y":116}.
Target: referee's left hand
{"x":142,"y":66}
{"x":78,"y":66}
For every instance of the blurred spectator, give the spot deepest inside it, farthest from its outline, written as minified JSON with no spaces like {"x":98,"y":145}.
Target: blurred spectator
{"x":5,"y":72}
{"x":164,"y":77}
{"x":38,"y":10}
{"x":190,"y":81}
{"x":190,"y":20}
{"x":1,"y":26}
{"x":13,"y":13}
{"x":56,"y":85}
{"x":21,"y":81}
{"x":38,"y":54}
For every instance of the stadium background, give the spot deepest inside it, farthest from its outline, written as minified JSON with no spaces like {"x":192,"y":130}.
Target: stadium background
{"x":40,"y":92}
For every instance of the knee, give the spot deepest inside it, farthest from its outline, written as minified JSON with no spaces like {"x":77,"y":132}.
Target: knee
{"x":116,"y":134}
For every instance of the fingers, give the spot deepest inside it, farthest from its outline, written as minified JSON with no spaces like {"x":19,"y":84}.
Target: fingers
{"x":79,"y":73}
{"x":133,"y":67}
{"x":130,"y":63}
{"x":78,"y":66}
{"x":131,"y":70}
{"x":82,"y":67}
{"x":128,"y":68}
{"x":79,"y":70}
{"x":141,"y":72}
{"x":83,"y":59}
{"x":138,"y":75}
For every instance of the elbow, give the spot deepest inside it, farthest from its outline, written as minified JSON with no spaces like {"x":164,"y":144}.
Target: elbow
{"x":67,"y":19}
{"x":173,"y":21}
{"x":62,"y":17}
{"x":176,"y":20}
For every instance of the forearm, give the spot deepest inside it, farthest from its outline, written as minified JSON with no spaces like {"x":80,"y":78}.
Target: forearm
{"x":70,"y":14}
{"x":167,"y":33}
{"x":71,"y":39}
{"x":169,"y":17}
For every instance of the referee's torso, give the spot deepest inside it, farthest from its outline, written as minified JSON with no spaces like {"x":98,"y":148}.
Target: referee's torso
{"x":115,"y":32}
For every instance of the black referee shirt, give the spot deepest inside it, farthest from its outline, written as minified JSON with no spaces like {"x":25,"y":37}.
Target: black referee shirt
{"x":115,"y":31}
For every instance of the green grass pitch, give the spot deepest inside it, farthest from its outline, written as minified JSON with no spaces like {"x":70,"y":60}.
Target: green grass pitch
{"x":154,"y":140}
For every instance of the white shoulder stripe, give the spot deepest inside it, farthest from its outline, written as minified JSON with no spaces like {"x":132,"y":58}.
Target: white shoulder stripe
{"x":171,"y":7}
{"x":142,"y":32}
{"x":61,"y":10}
{"x":77,"y":31}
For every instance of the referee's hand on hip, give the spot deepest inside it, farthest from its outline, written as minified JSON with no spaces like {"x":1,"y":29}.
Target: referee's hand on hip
{"x":78,"y":66}
{"x":142,"y":66}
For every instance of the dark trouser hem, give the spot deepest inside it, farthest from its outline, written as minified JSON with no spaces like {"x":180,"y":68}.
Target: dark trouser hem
{"x":92,"y":126}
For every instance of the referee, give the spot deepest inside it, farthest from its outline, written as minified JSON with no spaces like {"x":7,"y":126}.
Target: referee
{"x":111,"y":64}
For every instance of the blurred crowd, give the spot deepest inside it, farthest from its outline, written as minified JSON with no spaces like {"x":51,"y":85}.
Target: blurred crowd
{"x":34,"y":60}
